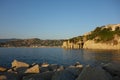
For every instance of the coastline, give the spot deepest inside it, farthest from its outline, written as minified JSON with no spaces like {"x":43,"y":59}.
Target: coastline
{"x":35,"y":47}
{"x":67,"y":48}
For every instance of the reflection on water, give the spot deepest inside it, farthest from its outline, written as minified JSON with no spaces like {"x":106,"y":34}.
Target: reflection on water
{"x":102,"y":55}
{"x":57,"y":56}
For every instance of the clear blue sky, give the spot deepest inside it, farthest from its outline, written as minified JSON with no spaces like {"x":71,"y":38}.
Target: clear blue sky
{"x":55,"y":19}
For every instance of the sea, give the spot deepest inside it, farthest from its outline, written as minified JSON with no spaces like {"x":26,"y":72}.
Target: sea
{"x":58,"y":56}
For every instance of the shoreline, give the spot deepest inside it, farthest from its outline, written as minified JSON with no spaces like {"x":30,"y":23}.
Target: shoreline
{"x":100,"y":49}
{"x":67,"y":48}
{"x":35,"y":47}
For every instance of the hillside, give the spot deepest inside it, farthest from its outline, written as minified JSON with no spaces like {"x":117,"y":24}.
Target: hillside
{"x":31,"y":43}
{"x":105,"y":33}
{"x":103,"y":37}
{"x":6,"y":40}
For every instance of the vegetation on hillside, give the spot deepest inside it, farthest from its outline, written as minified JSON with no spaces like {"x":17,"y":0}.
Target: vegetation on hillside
{"x":101,"y":34}
{"x":31,"y":43}
{"x":76,"y":39}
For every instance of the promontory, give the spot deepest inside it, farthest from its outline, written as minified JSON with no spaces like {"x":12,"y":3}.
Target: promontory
{"x":103,"y":37}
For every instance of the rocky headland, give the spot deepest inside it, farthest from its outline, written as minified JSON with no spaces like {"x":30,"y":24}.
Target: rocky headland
{"x":103,"y":37}
{"x":24,"y":71}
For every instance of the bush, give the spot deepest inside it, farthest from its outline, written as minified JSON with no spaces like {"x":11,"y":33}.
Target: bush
{"x":104,"y":34}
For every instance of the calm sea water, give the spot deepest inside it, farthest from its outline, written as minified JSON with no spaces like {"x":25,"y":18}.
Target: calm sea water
{"x":57,"y":56}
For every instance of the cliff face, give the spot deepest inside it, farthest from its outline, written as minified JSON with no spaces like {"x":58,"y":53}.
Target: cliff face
{"x":91,"y":44}
{"x":104,"y":37}
{"x":71,"y":45}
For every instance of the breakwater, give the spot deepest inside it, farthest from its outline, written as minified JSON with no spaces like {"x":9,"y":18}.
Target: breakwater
{"x":24,"y":71}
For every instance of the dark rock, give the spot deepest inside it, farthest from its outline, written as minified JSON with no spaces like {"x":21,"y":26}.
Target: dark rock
{"x":21,"y":70}
{"x":12,"y":70}
{"x":75,"y":71}
{"x":44,"y":69}
{"x":40,"y":76}
{"x":112,"y":68}
{"x":63,"y":75}
{"x":53,"y":67}
{"x":94,"y":73}
{"x":9,"y":76}
{"x":116,"y":78}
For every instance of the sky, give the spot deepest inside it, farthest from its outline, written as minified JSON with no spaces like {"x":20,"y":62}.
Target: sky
{"x":55,"y":19}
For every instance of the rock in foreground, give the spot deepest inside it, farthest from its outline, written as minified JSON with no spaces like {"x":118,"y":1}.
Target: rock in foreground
{"x":34,"y":69}
{"x":42,"y":76}
{"x":113,"y":68}
{"x":94,"y":73}
{"x":2,"y":69}
{"x":18,"y":64}
{"x":22,"y":71}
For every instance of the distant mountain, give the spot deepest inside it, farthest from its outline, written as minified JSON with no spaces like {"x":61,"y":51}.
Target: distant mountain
{"x":34,"y":42}
{"x":6,"y":40}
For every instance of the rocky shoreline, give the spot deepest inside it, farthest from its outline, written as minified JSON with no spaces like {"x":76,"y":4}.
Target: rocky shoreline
{"x":23,"y":71}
